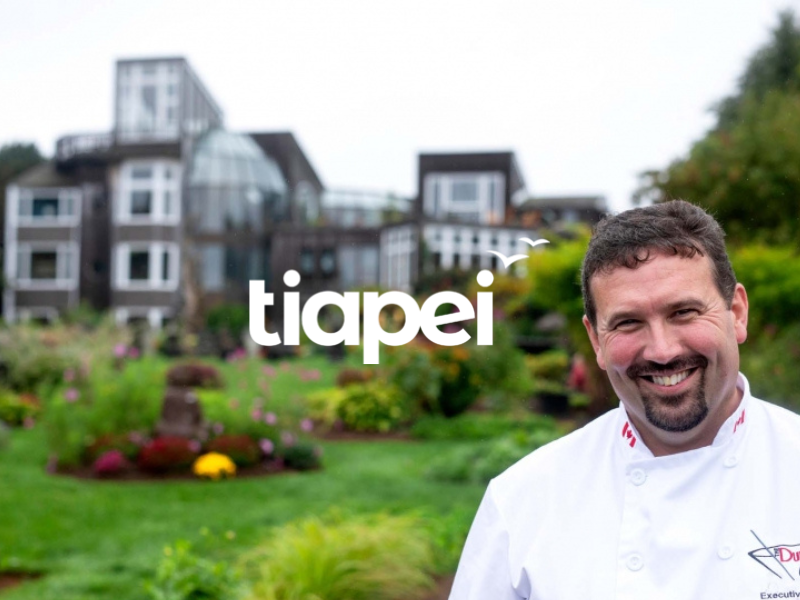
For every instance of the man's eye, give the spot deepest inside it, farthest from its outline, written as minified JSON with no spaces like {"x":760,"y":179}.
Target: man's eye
{"x":685,"y":312}
{"x":626,"y":324}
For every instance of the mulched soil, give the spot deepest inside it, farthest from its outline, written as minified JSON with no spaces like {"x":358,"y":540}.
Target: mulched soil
{"x":10,"y":579}
{"x":260,"y":470}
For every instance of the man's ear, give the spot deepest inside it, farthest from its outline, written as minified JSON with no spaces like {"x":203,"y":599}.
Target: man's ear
{"x":595,"y":342}
{"x":739,"y":308}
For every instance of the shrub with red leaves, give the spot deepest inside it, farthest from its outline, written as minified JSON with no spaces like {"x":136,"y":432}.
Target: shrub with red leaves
{"x":351,"y":376}
{"x":241,"y":449}
{"x":110,"y":463}
{"x":166,"y":453}
{"x":194,"y":375}
{"x":111,"y":441}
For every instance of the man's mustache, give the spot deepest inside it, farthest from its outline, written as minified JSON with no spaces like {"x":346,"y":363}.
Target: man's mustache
{"x":651,"y":368}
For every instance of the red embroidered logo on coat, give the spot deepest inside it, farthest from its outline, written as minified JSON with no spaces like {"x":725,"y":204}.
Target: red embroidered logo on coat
{"x":739,"y":421}
{"x":627,"y":432}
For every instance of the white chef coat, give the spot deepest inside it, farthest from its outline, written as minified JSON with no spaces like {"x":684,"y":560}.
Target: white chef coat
{"x":595,"y":516}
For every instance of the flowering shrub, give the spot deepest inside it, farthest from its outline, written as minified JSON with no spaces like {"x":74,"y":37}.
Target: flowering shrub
{"x":214,"y":466}
{"x":110,"y":463}
{"x":194,"y":375}
{"x":242,"y":449}
{"x":125,"y":444}
{"x":373,"y":406}
{"x":16,"y":409}
{"x":166,"y":453}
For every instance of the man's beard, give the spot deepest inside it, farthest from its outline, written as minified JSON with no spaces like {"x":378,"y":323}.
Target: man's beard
{"x":691,"y":415}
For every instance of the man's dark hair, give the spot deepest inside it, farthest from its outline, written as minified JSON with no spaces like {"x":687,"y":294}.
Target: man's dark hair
{"x":630,"y":238}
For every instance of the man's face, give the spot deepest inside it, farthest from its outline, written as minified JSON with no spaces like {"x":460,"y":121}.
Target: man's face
{"x":669,"y":344}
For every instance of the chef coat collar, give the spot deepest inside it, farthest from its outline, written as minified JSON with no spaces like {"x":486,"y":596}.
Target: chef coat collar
{"x":634,"y":448}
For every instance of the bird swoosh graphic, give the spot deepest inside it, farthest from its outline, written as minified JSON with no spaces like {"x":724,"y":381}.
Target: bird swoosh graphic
{"x":510,"y":260}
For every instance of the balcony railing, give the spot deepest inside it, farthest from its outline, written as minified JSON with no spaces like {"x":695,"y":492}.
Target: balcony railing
{"x":76,"y":145}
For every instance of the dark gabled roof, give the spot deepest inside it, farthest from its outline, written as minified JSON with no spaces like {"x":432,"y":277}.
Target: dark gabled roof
{"x":284,"y":148}
{"x":44,"y":175}
{"x":592,"y":202}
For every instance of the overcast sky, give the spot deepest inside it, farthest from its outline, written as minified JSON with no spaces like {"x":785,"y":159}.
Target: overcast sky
{"x":588,"y":93}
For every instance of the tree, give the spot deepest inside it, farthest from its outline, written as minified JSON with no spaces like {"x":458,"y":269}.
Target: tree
{"x":747,"y":169}
{"x":773,"y":67}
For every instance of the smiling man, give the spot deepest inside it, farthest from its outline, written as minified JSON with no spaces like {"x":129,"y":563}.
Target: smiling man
{"x":689,"y":489}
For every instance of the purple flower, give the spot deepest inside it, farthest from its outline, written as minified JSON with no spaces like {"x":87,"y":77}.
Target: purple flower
{"x":306,"y":425}
{"x":268,"y":371}
{"x":256,"y":414}
{"x":287,"y":438}
{"x":310,"y":375}
{"x":267,"y":447}
{"x":71,"y":395}
{"x":69,"y":375}
{"x":133,"y":352}
{"x":135,"y":437}
{"x":218,"y":428}
{"x":195,"y":446}
{"x":270,"y":418}
{"x":120,"y":350}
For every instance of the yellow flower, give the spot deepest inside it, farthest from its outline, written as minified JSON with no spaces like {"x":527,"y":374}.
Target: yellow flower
{"x":214,"y":466}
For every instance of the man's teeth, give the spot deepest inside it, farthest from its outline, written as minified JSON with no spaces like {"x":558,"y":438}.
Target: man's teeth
{"x":672,"y":379}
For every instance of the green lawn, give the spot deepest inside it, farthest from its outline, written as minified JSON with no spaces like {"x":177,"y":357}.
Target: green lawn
{"x":102,"y":539}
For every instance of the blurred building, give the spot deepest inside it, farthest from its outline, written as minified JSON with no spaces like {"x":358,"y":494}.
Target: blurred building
{"x":555,"y":212}
{"x":169,"y":214}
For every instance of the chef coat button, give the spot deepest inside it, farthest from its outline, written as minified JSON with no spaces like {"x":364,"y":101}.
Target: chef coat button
{"x":731,"y":461}
{"x":638,"y":477}
{"x":725,"y":552}
{"x":635,"y":562}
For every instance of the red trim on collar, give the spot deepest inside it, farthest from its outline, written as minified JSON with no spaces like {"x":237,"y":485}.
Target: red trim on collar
{"x":627,"y":432}
{"x":739,"y":421}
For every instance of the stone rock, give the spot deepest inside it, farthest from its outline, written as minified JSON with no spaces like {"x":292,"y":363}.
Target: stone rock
{"x":181,"y":414}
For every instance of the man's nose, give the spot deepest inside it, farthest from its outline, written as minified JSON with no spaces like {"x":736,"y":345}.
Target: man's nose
{"x":663,"y":344}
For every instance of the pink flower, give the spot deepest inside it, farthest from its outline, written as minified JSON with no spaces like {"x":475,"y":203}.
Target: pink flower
{"x":310,"y":375}
{"x":28,"y":422}
{"x":135,"y":437}
{"x":270,"y":418}
{"x":306,"y":425}
{"x":69,"y":375}
{"x":218,"y":428}
{"x":233,"y":403}
{"x":268,"y":371}
{"x":256,"y":414}
{"x":120,"y":350}
{"x":71,"y":395}
{"x":267,"y":447}
{"x":287,"y":438}
{"x":195,"y":446}
{"x":285,"y":366}
{"x":133,"y":352}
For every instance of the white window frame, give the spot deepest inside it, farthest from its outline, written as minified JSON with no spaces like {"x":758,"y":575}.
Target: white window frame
{"x":67,"y":260}
{"x":488,"y":204}
{"x":62,"y":219}
{"x":158,"y":185}
{"x":154,"y":282}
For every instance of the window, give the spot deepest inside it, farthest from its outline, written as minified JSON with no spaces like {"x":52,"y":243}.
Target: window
{"x":45,"y":207}
{"x":47,"y":264}
{"x":53,"y":206}
{"x":327,"y":262}
{"x":149,"y":192}
{"x":139,"y":269}
{"x":151,"y":265}
{"x":464,"y":191}
{"x":142,"y":172}
{"x":306,"y":261}
{"x":44,"y":265}
{"x":140,"y":202}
